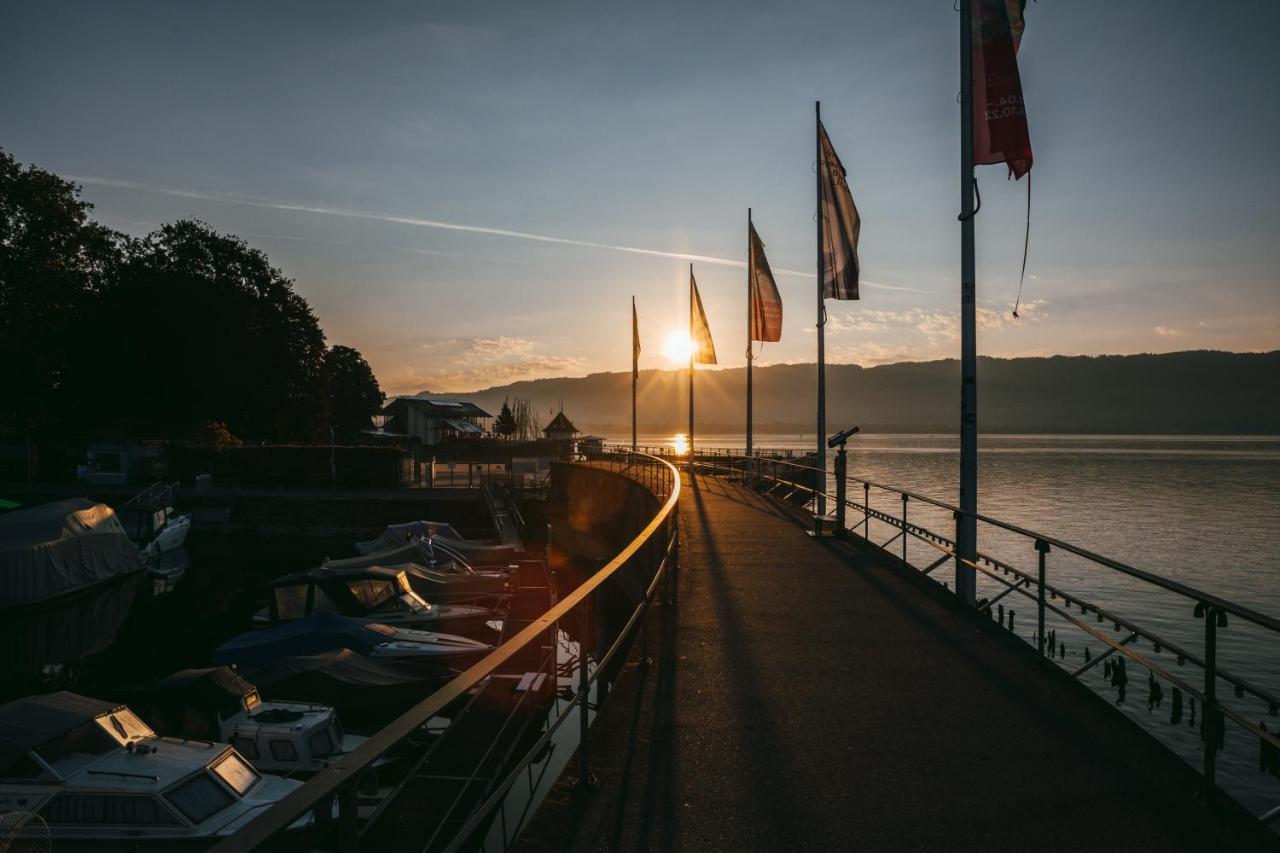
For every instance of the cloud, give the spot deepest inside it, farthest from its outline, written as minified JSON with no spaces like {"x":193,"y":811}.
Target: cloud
{"x":294,"y":207}
{"x":1167,"y":332}
{"x":935,"y":326}
{"x":870,"y":353}
{"x":470,"y":364}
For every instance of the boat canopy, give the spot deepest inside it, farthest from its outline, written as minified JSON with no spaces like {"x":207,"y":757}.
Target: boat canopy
{"x":322,"y":631}
{"x":60,"y":547}
{"x":214,"y":692}
{"x":27,"y":724}
{"x":398,"y":535}
{"x":354,"y":592}
{"x":341,"y":667}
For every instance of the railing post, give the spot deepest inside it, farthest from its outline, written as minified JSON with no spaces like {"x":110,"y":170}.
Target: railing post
{"x":1043,"y":548}
{"x":904,"y":530}
{"x":866,"y":510}
{"x":1213,"y":618}
{"x":584,"y":696}
{"x":841,"y":486}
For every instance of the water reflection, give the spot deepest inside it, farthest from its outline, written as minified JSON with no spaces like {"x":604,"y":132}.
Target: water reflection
{"x":679,"y":443}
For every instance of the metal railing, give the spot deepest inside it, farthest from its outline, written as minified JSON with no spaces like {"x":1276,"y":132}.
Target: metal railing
{"x":786,"y":479}
{"x":653,"y":552}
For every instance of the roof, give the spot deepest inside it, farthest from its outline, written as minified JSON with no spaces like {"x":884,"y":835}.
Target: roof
{"x":462,"y":426}
{"x":27,"y":723}
{"x":442,"y":407}
{"x":560,"y":424}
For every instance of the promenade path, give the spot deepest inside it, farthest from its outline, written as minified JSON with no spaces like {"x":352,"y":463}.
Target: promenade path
{"x":807,"y":695}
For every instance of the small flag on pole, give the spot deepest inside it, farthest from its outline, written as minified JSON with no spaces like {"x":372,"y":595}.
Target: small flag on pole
{"x":839,"y":225}
{"x":999,"y":112}
{"x":704,"y":351}
{"x":635,"y":332}
{"x":766,"y":304}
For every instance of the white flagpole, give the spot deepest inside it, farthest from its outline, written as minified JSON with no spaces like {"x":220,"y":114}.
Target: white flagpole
{"x":821,"y":462}
{"x":966,"y":525}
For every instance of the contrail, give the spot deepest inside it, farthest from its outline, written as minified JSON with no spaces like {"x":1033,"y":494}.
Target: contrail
{"x":444,"y":226}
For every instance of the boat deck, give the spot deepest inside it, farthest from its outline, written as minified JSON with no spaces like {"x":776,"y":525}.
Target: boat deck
{"x":808,"y":695}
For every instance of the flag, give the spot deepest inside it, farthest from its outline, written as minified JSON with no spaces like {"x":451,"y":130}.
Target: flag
{"x":766,"y":304}
{"x":704,"y":351}
{"x":839,"y":226}
{"x":999,"y":112}
{"x":635,"y":332}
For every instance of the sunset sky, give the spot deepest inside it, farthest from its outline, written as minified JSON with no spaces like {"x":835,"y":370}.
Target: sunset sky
{"x":459,"y":190}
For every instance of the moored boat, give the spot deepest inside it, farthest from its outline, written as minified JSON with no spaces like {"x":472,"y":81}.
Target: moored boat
{"x":94,"y":773}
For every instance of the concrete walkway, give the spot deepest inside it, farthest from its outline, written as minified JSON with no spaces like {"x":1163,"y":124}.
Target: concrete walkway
{"x":807,"y":696}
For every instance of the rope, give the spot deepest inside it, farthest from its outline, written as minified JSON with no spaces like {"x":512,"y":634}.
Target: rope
{"x":1026,"y":245}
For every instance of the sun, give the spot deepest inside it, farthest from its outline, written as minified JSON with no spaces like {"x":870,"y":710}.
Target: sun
{"x":678,"y":347}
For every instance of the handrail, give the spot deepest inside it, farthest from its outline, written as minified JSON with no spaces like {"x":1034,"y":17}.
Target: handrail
{"x":1186,"y":590}
{"x":330,"y":781}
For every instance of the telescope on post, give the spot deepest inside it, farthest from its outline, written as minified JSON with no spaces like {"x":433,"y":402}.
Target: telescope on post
{"x":840,"y":438}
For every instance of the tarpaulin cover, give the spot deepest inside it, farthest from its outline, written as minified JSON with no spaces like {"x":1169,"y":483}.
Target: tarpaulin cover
{"x":217,"y":691}
{"x":26,"y":724}
{"x":57,"y":548}
{"x":322,"y":631}
{"x":397,"y":535}
{"x":343,"y":667}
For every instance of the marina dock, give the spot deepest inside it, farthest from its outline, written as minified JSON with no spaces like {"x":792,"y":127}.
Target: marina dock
{"x":808,"y":694}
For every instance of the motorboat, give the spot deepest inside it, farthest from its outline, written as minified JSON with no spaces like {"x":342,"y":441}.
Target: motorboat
{"x":215,"y":703}
{"x":61,"y":548}
{"x":367,"y":693}
{"x":423,"y":552}
{"x":94,"y":773}
{"x":325,"y":631}
{"x":485,"y":553}
{"x":376,"y":594}
{"x":152,"y":523}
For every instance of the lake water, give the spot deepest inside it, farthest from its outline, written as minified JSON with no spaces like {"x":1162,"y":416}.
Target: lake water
{"x":1201,"y":510}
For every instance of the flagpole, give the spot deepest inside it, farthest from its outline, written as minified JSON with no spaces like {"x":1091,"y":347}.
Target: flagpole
{"x":750,"y":313}
{"x":821,"y":462}
{"x":692,"y":346}
{"x":966,"y":524}
{"x":635,"y":372}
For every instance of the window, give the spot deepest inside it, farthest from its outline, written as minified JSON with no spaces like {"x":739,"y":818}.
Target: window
{"x":283,"y":750}
{"x":107,"y":809}
{"x":320,"y":742}
{"x":200,"y":797}
{"x":236,"y":772}
{"x":246,"y":747}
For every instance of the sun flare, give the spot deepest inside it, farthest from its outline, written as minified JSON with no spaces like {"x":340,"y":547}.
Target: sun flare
{"x":678,"y":347}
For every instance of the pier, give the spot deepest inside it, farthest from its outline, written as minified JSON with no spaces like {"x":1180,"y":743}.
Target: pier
{"x":811,"y":695}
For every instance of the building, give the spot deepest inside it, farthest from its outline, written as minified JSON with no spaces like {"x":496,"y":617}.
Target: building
{"x":430,"y":420}
{"x":560,"y":429}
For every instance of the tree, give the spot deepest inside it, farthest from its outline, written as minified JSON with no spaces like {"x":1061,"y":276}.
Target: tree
{"x":54,"y":262}
{"x":203,"y":328}
{"x":505,"y":424}
{"x":353,"y":394}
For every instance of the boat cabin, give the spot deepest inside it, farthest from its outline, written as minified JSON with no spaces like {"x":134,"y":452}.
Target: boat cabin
{"x":377,"y":593}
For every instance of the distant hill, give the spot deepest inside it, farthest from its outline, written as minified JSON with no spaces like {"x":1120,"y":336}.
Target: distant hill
{"x":1183,"y":392}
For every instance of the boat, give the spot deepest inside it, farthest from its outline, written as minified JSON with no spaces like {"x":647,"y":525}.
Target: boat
{"x":396,"y":535}
{"x":94,"y":773}
{"x":325,"y":631}
{"x":61,"y":548}
{"x":445,"y":537}
{"x":215,"y":703}
{"x":376,"y":594}
{"x":367,"y":693}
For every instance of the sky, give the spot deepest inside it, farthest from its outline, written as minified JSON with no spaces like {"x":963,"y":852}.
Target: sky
{"x":470,"y":193}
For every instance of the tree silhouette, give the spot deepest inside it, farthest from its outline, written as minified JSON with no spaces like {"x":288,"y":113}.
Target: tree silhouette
{"x":505,"y":424}
{"x":353,"y":395}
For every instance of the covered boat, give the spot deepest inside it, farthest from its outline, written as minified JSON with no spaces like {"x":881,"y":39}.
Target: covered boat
{"x":215,"y":703}
{"x":94,"y":772}
{"x":60,"y":548}
{"x":375,"y":594}
{"x":439,"y":536}
{"x":325,"y":631}
{"x":397,"y":535}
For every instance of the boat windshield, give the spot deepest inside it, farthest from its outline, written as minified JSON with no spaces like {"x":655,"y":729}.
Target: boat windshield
{"x":124,"y":726}
{"x":236,"y":772}
{"x":80,"y":746}
{"x":376,"y":595}
{"x":291,"y":601}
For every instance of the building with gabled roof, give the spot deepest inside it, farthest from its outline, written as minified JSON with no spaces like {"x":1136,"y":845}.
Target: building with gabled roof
{"x":560,"y":429}
{"x":435,"y":420}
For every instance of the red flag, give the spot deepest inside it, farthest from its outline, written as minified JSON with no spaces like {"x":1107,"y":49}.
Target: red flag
{"x":999,"y":112}
{"x":766,"y":304}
